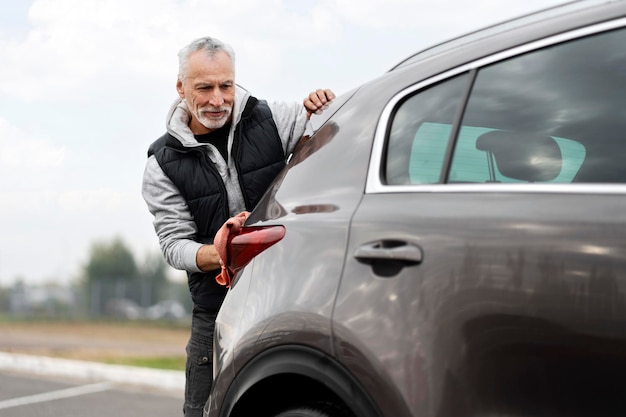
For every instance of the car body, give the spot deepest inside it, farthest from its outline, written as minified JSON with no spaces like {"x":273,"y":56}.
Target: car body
{"x":454,"y":238}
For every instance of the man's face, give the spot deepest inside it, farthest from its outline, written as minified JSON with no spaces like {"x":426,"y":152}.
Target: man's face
{"x":209,"y":89}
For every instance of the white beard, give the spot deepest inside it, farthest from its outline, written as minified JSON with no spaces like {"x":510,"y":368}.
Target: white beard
{"x":212,"y":123}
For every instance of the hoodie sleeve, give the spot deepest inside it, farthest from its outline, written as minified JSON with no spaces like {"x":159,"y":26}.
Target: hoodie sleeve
{"x":173,"y":222}
{"x":291,"y":122}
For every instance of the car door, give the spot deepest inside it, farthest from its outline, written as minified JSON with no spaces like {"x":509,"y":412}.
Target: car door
{"x":486,"y":264}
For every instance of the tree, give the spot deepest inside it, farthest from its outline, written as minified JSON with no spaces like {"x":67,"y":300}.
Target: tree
{"x":111,"y":274}
{"x":153,"y":275}
{"x":113,"y":281}
{"x":111,"y":261}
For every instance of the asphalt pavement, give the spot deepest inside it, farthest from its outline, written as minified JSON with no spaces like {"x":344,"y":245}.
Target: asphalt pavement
{"x":35,"y":386}
{"x":173,"y":381}
{"x":24,"y":395}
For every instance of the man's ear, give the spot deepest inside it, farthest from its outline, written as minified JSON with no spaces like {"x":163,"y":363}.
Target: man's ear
{"x":180,"y":89}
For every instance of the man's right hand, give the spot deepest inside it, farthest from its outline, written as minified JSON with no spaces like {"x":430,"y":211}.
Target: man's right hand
{"x":207,"y":258}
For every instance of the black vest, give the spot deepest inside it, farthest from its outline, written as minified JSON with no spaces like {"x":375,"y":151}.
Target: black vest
{"x":258,"y":154}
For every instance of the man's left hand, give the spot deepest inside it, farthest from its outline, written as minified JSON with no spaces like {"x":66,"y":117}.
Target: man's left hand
{"x":317,"y":101}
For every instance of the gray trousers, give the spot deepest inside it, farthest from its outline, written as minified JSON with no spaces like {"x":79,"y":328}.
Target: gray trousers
{"x":199,"y":366}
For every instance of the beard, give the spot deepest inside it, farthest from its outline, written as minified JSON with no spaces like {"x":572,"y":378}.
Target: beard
{"x":212,"y":122}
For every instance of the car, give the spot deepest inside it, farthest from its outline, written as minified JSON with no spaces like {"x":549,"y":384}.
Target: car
{"x":124,"y":308}
{"x":450,"y":241}
{"x":166,"y":310}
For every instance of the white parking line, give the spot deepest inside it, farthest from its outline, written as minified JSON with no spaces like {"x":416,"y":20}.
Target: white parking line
{"x":55,"y":395}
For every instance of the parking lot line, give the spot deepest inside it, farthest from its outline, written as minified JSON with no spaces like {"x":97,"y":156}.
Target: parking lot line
{"x":55,"y":395}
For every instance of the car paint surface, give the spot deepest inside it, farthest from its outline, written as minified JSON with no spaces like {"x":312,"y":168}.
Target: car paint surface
{"x":472,"y":284}
{"x":513,"y":263}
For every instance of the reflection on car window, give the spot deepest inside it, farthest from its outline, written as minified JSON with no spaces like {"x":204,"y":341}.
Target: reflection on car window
{"x":556,"y":115}
{"x":471,"y":164}
{"x":561,"y":112}
{"x":426,"y":113}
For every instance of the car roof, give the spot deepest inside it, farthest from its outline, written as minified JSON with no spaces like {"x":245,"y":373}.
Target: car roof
{"x":566,"y":16}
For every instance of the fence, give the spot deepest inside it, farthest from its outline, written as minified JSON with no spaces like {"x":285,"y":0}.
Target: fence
{"x":100,"y":299}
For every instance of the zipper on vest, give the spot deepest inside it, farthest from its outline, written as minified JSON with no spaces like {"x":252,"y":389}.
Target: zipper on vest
{"x":205,"y":155}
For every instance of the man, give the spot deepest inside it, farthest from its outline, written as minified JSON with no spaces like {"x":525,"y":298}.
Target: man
{"x":221,"y":151}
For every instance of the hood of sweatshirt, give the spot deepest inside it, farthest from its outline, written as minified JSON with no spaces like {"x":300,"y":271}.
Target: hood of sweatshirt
{"x":177,"y":124}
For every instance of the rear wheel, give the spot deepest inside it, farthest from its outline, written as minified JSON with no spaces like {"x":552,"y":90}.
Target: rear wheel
{"x":316,"y":410}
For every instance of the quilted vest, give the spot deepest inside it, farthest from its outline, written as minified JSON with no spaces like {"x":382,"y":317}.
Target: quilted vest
{"x":200,"y":184}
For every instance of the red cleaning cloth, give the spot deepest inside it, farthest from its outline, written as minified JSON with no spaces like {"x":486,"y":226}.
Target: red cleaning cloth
{"x":229,"y":230}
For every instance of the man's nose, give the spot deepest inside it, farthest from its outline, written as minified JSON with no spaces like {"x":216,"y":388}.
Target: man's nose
{"x":216,"y":99}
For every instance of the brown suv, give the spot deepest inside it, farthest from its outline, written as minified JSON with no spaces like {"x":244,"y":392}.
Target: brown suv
{"x":450,"y":242}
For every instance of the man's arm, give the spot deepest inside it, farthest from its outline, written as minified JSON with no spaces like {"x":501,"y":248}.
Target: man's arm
{"x":292,"y":118}
{"x":174,"y":224}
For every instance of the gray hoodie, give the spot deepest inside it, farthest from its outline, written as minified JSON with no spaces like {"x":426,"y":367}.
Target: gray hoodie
{"x":173,"y":222}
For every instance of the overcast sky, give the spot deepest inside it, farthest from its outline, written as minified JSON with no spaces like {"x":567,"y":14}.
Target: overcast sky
{"x":86,"y":85}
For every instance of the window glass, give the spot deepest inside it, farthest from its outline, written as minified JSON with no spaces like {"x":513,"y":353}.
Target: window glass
{"x":556,"y":115}
{"x":420,"y":132}
{"x":470,"y":164}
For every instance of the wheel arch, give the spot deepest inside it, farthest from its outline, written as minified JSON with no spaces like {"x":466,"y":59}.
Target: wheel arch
{"x":293,"y":375}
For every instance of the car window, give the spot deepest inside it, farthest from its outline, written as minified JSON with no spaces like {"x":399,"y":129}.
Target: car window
{"x":555,"y":115}
{"x":418,"y":138}
{"x":470,"y":164}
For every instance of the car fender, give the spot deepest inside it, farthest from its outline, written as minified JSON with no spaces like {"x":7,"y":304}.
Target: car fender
{"x":293,"y":363}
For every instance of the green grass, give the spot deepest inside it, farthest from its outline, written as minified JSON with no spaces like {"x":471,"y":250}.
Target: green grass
{"x":170,"y":336}
{"x":170,"y":363}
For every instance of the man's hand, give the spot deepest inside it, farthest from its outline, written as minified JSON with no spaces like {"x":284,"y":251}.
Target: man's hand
{"x":317,"y":101}
{"x":207,"y":258}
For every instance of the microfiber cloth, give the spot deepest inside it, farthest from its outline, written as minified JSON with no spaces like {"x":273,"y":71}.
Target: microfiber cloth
{"x":224,"y":235}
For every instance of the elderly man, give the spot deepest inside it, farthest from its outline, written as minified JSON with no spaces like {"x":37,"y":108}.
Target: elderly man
{"x":222,"y":149}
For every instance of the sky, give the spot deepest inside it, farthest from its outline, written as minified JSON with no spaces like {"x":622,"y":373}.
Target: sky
{"x":86,"y":86}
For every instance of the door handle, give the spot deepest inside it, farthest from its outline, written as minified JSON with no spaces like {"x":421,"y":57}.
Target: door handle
{"x":389,"y":250}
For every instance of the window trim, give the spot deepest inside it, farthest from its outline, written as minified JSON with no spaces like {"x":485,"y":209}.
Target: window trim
{"x":374,"y":185}
{"x":456,"y":126}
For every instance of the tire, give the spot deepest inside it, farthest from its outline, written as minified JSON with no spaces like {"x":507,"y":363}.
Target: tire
{"x":316,"y":410}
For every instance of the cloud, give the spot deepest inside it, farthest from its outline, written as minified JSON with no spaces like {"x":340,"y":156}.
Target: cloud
{"x":72,"y":46}
{"x":27,"y":162}
{"x":421,"y":15}
{"x":103,"y":200}
{"x":23,"y":153}
{"x":86,"y":86}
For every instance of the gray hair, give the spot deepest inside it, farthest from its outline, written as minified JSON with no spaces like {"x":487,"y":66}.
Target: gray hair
{"x":207,"y":44}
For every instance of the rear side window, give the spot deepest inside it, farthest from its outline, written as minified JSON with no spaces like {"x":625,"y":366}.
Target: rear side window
{"x":420,"y":132}
{"x":555,"y":115}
